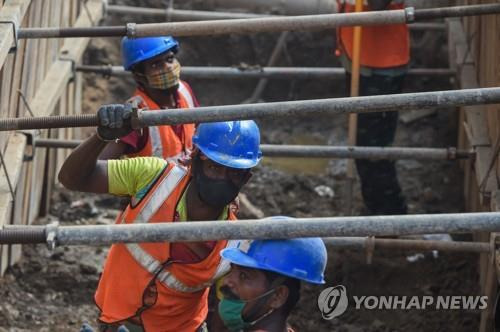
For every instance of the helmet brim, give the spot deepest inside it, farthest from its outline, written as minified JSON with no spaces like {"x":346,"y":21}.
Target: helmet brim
{"x":238,"y":257}
{"x":228,"y":160}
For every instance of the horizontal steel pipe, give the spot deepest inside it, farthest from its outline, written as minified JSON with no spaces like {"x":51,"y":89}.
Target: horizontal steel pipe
{"x":363,"y":152}
{"x":320,"y":151}
{"x":203,"y":15}
{"x":334,"y":106}
{"x":38,"y":234}
{"x":262,"y":24}
{"x":272,"y":229}
{"x":179,"y":14}
{"x":406,"y":244}
{"x":314,"y":107}
{"x":221,"y":27}
{"x":204,"y":72}
{"x":457,"y":11}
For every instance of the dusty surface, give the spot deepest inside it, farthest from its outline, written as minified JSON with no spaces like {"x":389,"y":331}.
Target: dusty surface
{"x":53,"y":291}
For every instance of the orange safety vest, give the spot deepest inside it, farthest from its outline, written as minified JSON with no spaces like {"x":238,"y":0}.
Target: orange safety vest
{"x":383,"y":46}
{"x":163,"y":142}
{"x":182,"y":289}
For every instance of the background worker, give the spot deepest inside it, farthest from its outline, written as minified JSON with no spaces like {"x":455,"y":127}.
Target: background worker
{"x":156,"y":71}
{"x":164,"y":286}
{"x":263,"y":285}
{"x":385,"y":54}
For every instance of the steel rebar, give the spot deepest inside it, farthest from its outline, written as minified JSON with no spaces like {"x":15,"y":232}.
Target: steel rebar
{"x":263,"y":24}
{"x":314,"y":107}
{"x":265,"y":229}
{"x":286,"y":73}
{"x":321,"y":151}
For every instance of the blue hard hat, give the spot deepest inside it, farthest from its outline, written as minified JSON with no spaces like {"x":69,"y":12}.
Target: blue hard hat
{"x":300,"y":258}
{"x":232,"y":143}
{"x":135,"y":50}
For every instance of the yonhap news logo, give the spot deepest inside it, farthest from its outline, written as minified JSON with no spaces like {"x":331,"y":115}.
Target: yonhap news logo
{"x":333,"y":302}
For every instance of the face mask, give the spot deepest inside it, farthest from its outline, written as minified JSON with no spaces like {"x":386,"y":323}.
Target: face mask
{"x":167,"y":78}
{"x":214,"y":192}
{"x":230,"y":312}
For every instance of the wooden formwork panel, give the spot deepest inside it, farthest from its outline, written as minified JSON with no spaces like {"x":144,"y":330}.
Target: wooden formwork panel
{"x":478,"y":64}
{"x":40,"y":70}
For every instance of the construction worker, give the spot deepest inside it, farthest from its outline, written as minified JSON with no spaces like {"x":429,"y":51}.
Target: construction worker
{"x":385,"y":54}
{"x":156,"y":71}
{"x":164,"y":286}
{"x":263,"y":285}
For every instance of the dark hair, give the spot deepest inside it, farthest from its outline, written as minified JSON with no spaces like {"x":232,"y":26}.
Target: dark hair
{"x":293,"y":286}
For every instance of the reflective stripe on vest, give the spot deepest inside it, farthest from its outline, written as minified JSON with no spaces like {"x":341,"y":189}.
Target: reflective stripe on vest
{"x":160,"y":195}
{"x":148,"y":262}
{"x":156,"y":144}
{"x":185,"y":92}
{"x":154,"y":131}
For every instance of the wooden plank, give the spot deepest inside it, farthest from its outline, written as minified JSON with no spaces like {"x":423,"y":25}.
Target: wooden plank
{"x":12,"y":10}
{"x":61,"y":70}
{"x":18,"y":216}
{"x":13,"y":158}
{"x":475,"y":115}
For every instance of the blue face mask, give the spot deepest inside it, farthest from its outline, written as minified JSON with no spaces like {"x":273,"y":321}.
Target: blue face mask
{"x":230,"y":311}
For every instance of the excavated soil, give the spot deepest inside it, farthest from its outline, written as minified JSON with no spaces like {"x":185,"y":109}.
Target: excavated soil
{"x":53,"y":291}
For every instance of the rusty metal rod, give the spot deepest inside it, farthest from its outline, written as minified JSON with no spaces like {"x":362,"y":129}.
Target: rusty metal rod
{"x":264,"y":24}
{"x":286,"y":73}
{"x":203,"y":15}
{"x":321,"y":151}
{"x":406,"y":244}
{"x":314,"y":107}
{"x":260,"y":229}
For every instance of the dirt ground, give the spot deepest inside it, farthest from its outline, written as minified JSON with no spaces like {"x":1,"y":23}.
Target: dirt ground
{"x":53,"y":291}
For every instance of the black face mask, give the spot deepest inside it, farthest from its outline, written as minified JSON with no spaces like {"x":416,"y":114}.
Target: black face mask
{"x":214,"y":192}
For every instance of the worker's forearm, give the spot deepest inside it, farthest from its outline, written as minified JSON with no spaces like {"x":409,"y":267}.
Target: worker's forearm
{"x":81,"y":164}
{"x":379,"y":4}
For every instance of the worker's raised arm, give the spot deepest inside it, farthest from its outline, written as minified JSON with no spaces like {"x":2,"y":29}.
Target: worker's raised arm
{"x":82,"y":170}
{"x":379,"y":4}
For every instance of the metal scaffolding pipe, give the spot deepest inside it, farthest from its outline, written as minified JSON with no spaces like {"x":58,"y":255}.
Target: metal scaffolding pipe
{"x":203,"y":15}
{"x":264,"y":24}
{"x":287,"y":73}
{"x":406,"y":244}
{"x":319,"y":151}
{"x":288,"y":7}
{"x":364,"y":152}
{"x":314,"y":107}
{"x":180,"y":14}
{"x":256,"y":229}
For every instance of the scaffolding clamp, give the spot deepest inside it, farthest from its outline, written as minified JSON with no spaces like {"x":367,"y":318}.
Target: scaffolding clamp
{"x":410,"y":14}
{"x":131,"y":30}
{"x":452,"y":153}
{"x":72,"y":62}
{"x":31,"y":138}
{"x":15,"y":28}
{"x":51,"y":235}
